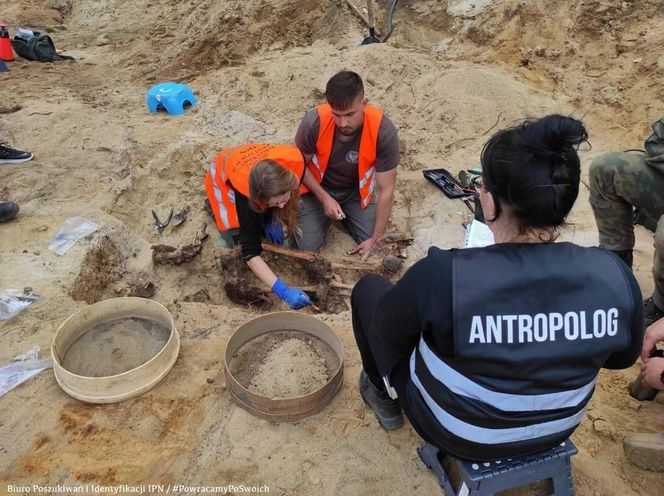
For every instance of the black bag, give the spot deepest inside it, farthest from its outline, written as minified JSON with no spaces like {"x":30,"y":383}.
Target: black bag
{"x":37,"y":47}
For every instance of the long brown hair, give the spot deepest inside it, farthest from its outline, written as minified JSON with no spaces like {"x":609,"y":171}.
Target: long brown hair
{"x":268,"y":179}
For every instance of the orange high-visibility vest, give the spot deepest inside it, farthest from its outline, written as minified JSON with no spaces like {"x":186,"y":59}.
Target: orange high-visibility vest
{"x":230,"y":173}
{"x":367,"y":153}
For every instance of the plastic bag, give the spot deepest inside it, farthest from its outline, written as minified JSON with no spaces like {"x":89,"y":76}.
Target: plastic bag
{"x":22,"y":368}
{"x":14,"y":301}
{"x":70,"y":232}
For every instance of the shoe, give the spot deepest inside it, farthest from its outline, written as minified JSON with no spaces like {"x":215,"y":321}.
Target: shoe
{"x":651,"y":312}
{"x":8,"y":210}
{"x":11,"y":156}
{"x":387,"y":410}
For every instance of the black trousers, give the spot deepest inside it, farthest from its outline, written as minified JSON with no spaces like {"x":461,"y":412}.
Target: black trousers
{"x":364,"y":304}
{"x":364,"y":301}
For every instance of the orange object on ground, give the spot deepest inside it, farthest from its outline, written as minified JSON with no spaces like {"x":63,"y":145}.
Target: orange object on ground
{"x":6,"y":52}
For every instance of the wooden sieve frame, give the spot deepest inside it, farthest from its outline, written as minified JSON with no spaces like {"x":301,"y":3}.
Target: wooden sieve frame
{"x":283,"y":409}
{"x":128,"y":384}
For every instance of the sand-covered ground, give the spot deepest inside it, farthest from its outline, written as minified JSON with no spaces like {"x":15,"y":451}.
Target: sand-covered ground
{"x":451,"y":73}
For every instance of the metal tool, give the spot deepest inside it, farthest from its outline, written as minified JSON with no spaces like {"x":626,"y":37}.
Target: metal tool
{"x":159,"y":224}
{"x":177,"y":219}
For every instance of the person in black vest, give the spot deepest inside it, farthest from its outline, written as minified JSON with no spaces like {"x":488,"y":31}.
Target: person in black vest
{"x":494,"y":352}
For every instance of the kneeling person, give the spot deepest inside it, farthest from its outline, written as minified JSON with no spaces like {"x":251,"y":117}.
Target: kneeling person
{"x":255,"y":189}
{"x":352,"y":152}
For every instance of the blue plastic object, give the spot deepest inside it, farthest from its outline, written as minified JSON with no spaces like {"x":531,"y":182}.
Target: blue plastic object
{"x":170,"y":96}
{"x":274,"y":232}
{"x":486,"y":478}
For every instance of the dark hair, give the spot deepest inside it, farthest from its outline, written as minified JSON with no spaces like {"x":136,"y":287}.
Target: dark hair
{"x":343,"y":88}
{"x":534,"y":168}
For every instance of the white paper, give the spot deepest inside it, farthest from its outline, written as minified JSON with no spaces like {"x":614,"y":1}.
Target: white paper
{"x":478,"y":234}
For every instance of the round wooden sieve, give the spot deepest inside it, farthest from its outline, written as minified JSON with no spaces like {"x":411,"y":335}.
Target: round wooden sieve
{"x":283,"y":409}
{"x":119,"y":387}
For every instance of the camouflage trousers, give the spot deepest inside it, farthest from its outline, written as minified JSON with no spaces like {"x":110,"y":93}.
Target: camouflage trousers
{"x":620,"y":182}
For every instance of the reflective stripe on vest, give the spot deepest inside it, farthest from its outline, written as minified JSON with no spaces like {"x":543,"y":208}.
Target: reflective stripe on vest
{"x":461,"y":385}
{"x":485,"y":435}
{"x":366,"y":153}
{"x":368,"y":177}
{"x":316,"y":163}
{"x":217,"y":202}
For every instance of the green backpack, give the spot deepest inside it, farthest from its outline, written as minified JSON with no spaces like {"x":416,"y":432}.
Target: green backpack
{"x":37,"y":47}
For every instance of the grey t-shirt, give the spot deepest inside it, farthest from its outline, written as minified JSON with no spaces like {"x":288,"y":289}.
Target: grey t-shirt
{"x":341,"y":172}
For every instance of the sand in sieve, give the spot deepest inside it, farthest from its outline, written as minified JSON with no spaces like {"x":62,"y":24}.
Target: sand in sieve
{"x":115,"y":347}
{"x":284,"y":364}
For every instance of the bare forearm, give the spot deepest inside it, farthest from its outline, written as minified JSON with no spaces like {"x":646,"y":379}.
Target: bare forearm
{"x":262,"y":271}
{"x":383,"y":210}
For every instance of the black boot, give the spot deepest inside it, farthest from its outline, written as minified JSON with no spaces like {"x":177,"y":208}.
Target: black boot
{"x":387,"y":410}
{"x":8,"y":210}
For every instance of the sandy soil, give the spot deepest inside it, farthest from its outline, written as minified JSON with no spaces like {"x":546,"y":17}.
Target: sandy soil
{"x":451,"y":73}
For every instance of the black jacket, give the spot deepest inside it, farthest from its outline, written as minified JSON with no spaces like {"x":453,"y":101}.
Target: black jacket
{"x":503,"y":344}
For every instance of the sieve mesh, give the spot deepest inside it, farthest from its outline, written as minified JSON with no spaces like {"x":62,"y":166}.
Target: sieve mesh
{"x":115,"y":347}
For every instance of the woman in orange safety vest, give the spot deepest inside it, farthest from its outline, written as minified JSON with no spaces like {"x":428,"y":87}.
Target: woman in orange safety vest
{"x":256,"y":189}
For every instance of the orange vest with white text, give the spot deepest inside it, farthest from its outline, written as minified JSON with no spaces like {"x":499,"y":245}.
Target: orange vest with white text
{"x":367,"y":153}
{"x":230,"y":173}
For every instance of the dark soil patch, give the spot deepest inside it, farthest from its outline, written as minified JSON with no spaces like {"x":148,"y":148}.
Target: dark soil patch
{"x":239,"y":292}
{"x":102,"y":266}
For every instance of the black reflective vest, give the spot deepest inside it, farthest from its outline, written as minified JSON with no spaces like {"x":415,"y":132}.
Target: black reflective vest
{"x":533,"y":324}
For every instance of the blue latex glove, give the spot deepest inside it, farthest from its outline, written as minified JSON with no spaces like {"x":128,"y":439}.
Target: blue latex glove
{"x":296,"y":298}
{"x":274,"y":232}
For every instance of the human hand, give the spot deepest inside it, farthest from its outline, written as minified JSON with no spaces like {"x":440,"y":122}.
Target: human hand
{"x":651,"y":373}
{"x":296,"y":298}
{"x":364,"y":247}
{"x":654,"y":334}
{"x":333,"y":209}
{"x":274,"y":232}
